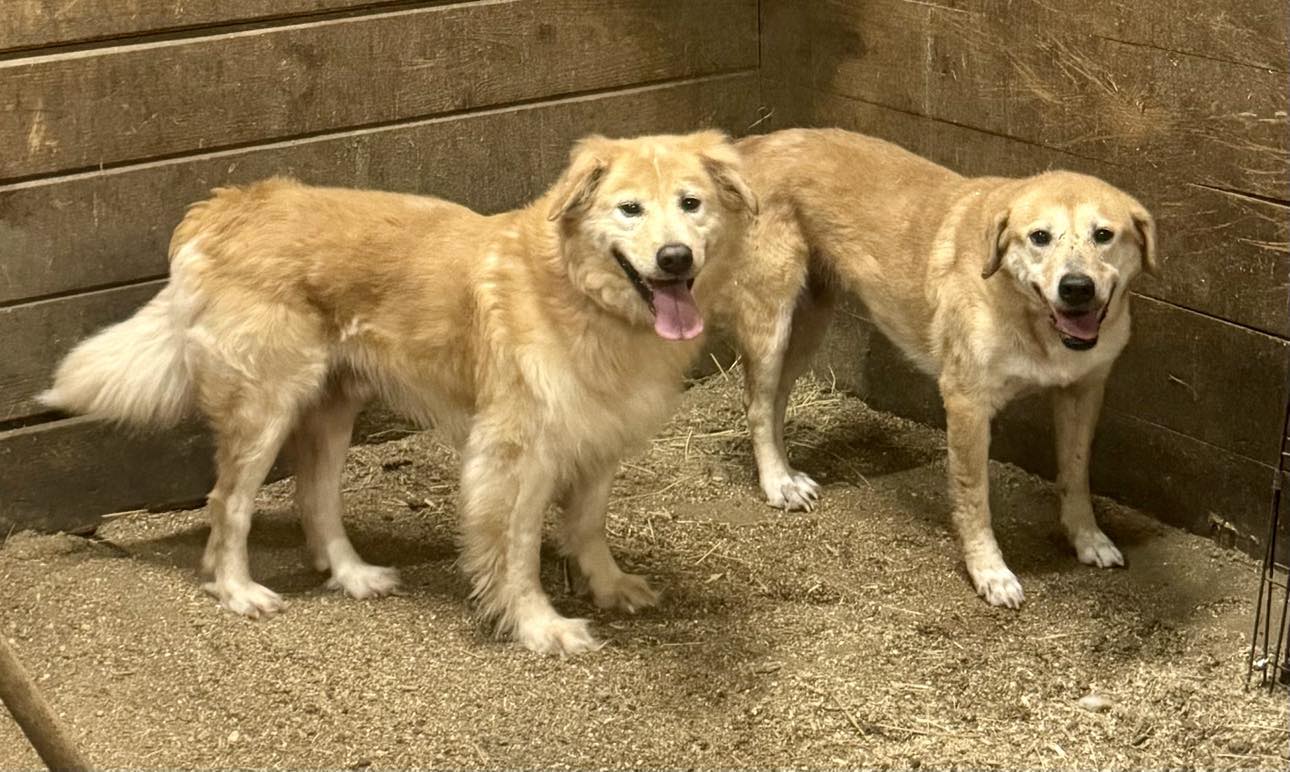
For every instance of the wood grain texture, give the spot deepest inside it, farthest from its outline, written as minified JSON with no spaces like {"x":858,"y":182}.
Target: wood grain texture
{"x":1032,"y":74}
{"x":1217,"y":382}
{"x":36,"y":23}
{"x":114,"y":227}
{"x":1224,"y":254}
{"x":106,"y":228}
{"x":35,"y":336}
{"x":129,"y":103}
{"x":1182,"y":480}
{"x":65,"y":475}
{"x":1252,"y":32}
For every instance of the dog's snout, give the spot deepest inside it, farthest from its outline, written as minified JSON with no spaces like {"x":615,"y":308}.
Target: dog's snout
{"x":675,"y":259}
{"x":1076,"y":289}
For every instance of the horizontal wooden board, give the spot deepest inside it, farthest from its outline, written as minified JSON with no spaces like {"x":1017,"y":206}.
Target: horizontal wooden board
{"x":1033,"y":76}
{"x":136,"y":102}
{"x":1182,"y":480}
{"x":1225,"y":254}
{"x":106,"y":228}
{"x":1253,"y":32}
{"x":36,"y":23}
{"x":109,"y":228}
{"x":1218,"y":382}
{"x":1250,"y":32}
{"x":64,"y":475}
{"x":34,"y":336}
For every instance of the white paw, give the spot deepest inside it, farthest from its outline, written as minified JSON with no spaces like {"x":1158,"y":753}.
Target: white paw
{"x":362,"y":580}
{"x":1095,"y":548}
{"x":792,"y":491}
{"x":628,"y":592}
{"x":997,"y":585}
{"x":556,"y":635}
{"x":246,"y":598}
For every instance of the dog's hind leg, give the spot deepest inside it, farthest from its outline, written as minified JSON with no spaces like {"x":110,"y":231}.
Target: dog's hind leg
{"x":506,"y":486}
{"x":248,"y":436}
{"x":252,"y":373}
{"x":318,"y":449}
{"x":583,"y":541}
{"x":1075,"y":411}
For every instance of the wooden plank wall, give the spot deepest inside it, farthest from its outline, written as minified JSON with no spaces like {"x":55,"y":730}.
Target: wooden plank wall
{"x":114,"y":116}
{"x":1185,"y":105}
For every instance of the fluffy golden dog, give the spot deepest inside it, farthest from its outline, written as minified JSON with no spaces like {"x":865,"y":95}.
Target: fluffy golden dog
{"x":545,"y":342}
{"x":993,"y":286}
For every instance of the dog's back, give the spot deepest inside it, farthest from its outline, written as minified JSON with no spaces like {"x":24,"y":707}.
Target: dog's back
{"x":869,"y":214}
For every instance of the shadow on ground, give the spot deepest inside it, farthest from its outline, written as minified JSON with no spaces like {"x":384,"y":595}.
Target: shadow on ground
{"x":848,"y":636}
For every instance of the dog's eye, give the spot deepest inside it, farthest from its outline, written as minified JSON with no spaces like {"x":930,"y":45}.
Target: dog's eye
{"x":1103,"y":235}
{"x":630,"y":208}
{"x":1040,"y":238}
{"x":690,"y":203}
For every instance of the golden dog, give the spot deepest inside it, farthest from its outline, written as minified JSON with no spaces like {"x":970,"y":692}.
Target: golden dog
{"x":545,"y":342}
{"x":994,"y":286}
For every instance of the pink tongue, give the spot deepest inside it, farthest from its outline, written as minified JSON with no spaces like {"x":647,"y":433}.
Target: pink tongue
{"x":1083,"y":326}
{"x":676,"y":317}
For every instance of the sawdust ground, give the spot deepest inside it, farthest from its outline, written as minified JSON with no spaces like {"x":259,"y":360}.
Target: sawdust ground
{"x":847,"y":636}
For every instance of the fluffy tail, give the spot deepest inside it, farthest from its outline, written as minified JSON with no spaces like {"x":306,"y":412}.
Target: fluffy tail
{"x":132,"y":372}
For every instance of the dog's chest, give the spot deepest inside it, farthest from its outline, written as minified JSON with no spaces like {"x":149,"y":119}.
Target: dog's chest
{"x":603,"y":407}
{"x":1027,"y":369}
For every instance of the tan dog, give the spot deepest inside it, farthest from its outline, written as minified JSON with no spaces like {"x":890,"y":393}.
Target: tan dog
{"x":994,"y":286}
{"x":545,"y":342}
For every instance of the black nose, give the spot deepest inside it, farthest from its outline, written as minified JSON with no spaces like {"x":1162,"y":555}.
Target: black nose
{"x":1076,"y":289}
{"x":675,"y":259}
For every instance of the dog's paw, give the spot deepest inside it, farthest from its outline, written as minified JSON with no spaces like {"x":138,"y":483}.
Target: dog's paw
{"x":251,"y":600}
{"x":556,"y":635}
{"x":628,"y":592}
{"x":997,"y":585}
{"x":793,"y":491}
{"x":1095,"y":548}
{"x":362,"y":581}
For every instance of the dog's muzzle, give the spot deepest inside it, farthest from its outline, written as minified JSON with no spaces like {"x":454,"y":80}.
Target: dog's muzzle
{"x":676,"y":315}
{"x":1078,"y":329}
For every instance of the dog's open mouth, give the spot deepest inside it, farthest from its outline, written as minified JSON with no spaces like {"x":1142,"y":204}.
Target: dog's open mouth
{"x":676,"y":315}
{"x":1078,"y":330}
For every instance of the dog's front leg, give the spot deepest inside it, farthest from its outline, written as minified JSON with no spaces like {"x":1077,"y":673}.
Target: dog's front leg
{"x":505,"y":490}
{"x":1075,"y":411}
{"x":968,"y":437}
{"x":583,"y":541}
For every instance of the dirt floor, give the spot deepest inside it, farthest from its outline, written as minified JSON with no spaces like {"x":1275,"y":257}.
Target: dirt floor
{"x":849,"y":636}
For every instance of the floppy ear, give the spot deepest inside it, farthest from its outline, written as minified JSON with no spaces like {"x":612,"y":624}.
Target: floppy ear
{"x":996,"y":244}
{"x":1145,"y":224}
{"x":723,"y":164}
{"x":575,"y":187}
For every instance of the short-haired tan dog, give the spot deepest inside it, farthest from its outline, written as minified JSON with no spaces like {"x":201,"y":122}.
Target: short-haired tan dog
{"x":994,"y":286}
{"x":546,"y":342}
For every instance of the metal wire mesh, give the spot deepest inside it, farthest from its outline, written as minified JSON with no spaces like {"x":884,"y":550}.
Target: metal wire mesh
{"x":1270,"y":647}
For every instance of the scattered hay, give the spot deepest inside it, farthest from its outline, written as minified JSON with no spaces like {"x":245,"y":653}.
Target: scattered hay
{"x":844,"y":637}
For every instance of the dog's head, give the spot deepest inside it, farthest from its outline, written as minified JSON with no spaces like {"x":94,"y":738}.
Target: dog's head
{"x":1071,"y":242}
{"x":640,"y":217}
